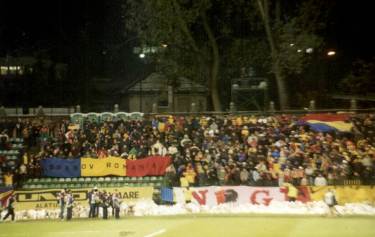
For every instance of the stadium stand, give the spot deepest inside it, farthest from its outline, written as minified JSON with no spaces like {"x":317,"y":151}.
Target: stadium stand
{"x":310,"y":149}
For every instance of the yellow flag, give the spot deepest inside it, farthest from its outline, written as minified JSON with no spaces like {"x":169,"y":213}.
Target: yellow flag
{"x":102,"y":167}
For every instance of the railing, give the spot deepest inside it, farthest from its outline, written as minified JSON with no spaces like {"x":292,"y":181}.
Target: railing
{"x":67,"y":111}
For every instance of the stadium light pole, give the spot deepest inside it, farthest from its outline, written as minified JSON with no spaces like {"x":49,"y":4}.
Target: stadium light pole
{"x":330,"y":67}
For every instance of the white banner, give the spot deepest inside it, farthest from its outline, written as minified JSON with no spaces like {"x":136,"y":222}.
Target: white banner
{"x":216,"y":195}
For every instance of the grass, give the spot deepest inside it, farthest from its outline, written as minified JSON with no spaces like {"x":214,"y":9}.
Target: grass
{"x":201,"y":225}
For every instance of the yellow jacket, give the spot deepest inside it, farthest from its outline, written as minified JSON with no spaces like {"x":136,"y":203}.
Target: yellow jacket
{"x":292,"y":191}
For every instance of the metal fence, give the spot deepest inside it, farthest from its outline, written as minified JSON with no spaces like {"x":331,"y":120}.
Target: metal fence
{"x":67,"y":111}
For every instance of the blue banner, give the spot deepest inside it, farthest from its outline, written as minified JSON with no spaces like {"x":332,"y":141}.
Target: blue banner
{"x":57,"y":167}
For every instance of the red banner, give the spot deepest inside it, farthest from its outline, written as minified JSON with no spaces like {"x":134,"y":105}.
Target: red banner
{"x":154,"y":165}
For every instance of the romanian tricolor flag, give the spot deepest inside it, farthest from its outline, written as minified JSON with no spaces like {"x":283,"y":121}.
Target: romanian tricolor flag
{"x":328,"y":122}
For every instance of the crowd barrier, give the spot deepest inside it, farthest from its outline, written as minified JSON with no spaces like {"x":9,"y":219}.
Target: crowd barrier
{"x":207,"y":196}
{"x":47,"y":198}
{"x":78,"y":118}
{"x":93,"y":167}
{"x":215,"y":195}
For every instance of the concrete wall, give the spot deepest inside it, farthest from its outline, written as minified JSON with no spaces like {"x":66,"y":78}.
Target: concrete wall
{"x":147,"y":101}
{"x":182,"y":103}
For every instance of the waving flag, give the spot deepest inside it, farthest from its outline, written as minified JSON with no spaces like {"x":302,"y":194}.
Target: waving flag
{"x":328,"y":122}
{"x":153,"y":165}
{"x":4,"y":195}
{"x":57,"y":167}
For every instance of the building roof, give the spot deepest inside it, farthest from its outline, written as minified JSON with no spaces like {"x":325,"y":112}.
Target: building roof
{"x":158,"y":82}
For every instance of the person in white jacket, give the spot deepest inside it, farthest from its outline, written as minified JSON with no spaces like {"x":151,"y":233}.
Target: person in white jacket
{"x":320,"y":180}
{"x":158,"y":149}
{"x":330,"y":199}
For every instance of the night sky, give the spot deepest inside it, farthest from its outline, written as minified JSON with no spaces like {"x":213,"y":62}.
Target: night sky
{"x":56,"y":25}
{"x":27,"y":25}
{"x":351,"y":29}
{"x":92,"y":33}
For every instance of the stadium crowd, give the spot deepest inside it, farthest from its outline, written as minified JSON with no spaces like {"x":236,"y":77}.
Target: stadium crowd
{"x":206,"y":150}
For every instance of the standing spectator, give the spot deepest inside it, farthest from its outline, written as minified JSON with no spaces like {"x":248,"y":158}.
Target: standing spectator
{"x":292,"y":192}
{"x":8,"y":179}
{"x":93,"y":196}
{"x":330,"y":200}
{"x":221,"y":173}
{"x":22,"y":171}
{"x":61,"y":200}
{"x":170,"y":175}
{"x":256,"y":178}
{"x":188,"y":194}
{"x":69,"y":205}
{"x":4,"y":140}
{"x":190,"y":174}
{"x":172,"y":150}
{"x":105,"y":204}
{"x":184,"y":181}
{"x":158,"y":149}
{"x":309,"y":171}
{"x":202,"y":178}
{"x":244,"y":176}
{"x":116,"y":205}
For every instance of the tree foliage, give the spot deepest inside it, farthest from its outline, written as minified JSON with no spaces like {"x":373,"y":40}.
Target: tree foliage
{"x":209,"y":41}
{"x":361,"y":79}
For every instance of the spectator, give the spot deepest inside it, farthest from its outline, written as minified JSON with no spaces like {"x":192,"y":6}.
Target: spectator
{"x":320,"y":180}
{"x":61,"y":201}
{"x":69,"y":205}
{"x":292,"y":192}
{"x":188,"y":195}
{"x":116,"y":204}
{"x":208,"y":150}
{"x":330,"y":200}
{"x":8,"y":179}
{"x":244,"y":176}
{"x":184,"y":181}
